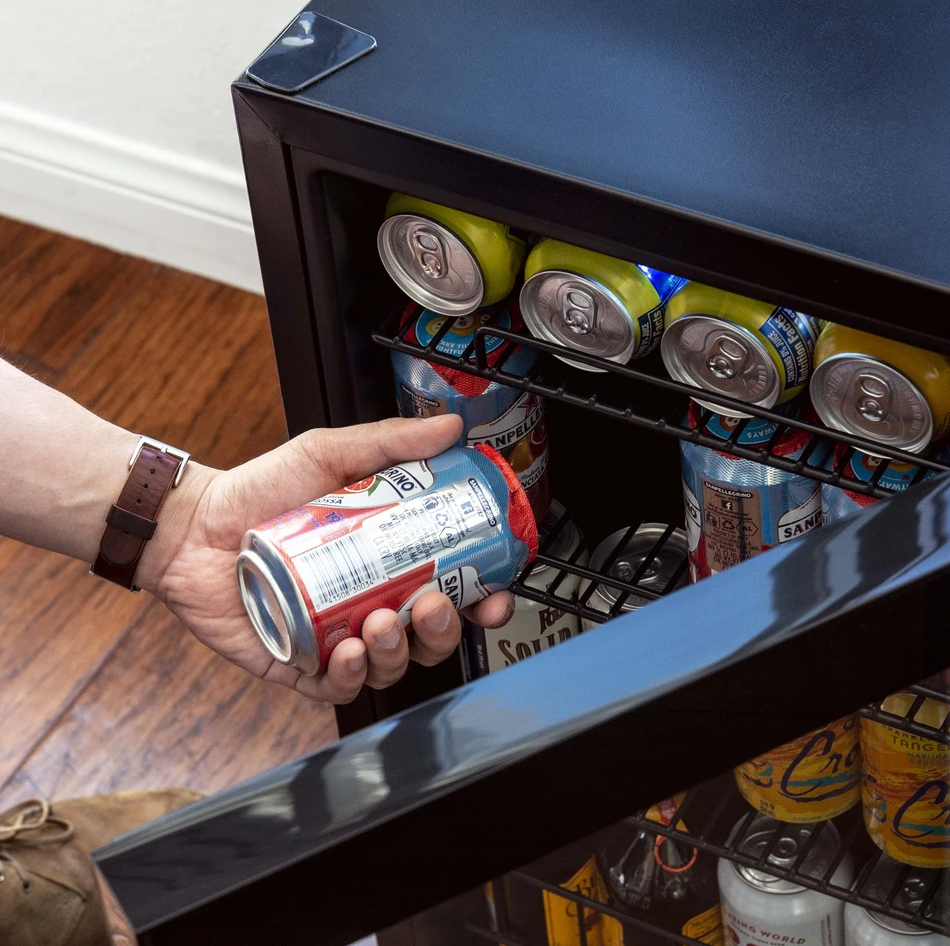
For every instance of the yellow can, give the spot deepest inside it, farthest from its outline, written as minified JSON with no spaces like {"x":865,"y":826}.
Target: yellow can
{"x":893,"y":393}
{"x":593,"y":303}
{"x":810,"y":779}
{"x":448,"y":261}
{"x":906,"y":786}
{"x":729,"y":344}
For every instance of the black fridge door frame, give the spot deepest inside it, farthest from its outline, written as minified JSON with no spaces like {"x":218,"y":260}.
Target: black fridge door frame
{"x":289,"y":145}
{"x":411,"y":811}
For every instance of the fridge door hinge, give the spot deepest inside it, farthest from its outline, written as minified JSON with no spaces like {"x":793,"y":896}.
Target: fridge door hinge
{"x":309,"y":49}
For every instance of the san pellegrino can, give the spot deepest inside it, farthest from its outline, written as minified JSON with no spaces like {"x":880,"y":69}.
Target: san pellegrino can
{"x":728,"y":344}
{"x":813,"y":778}
{"x":534,"y":626}
{"x":449,"y":261}
{"x":665,"y":560}
{"x":737,"y":509}
{"x":459,"y":523}
{"x":495,"y":414}
{"x":889,"y":392}
{"x":761,"y":909}
{"x":906,"y":785}
{"x":593,"y":303}
{"x":840,"y":503}
{"x":890,"y":882}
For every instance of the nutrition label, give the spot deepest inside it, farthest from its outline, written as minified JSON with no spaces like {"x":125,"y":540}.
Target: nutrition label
{"x":415,"y":532}
{"x":732,"y":524}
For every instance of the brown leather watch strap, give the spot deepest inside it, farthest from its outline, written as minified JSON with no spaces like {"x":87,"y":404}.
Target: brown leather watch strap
{"x":131,"y":520}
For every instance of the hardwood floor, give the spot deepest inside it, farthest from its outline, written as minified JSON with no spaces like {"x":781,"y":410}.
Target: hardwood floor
{"x":99,"y":689}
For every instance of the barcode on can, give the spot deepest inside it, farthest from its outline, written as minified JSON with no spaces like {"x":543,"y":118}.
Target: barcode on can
{"x":340,"y":569}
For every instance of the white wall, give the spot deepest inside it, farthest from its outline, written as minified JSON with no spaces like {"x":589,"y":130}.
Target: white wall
{"x":116,"y":124}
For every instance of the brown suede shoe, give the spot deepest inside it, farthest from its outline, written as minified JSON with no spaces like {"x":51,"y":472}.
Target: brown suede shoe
{"x":49,"y":889}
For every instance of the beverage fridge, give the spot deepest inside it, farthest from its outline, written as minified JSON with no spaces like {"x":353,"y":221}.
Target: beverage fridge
{"x":758,"y":757}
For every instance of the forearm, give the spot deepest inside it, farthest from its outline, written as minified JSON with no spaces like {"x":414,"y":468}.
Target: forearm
{"x":62,"y":468}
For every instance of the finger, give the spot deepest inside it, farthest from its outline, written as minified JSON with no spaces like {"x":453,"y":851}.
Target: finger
{"x":344,"y":677}
{"x":436,"y":627}
{"x":387,"y":647}
{"x":495,"y":611}
{"x":347,"y":454}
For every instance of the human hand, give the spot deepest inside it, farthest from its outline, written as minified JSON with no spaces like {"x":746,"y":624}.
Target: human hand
{"x":190,"y":563}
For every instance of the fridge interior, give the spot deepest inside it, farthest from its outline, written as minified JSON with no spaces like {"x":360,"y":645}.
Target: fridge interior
{"x":614,"y":464}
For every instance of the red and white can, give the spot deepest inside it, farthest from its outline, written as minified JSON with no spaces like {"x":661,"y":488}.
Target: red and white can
{"x":459,"y":523}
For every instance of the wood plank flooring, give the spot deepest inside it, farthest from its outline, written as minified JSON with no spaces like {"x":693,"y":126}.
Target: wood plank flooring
{"x":99,"y":689}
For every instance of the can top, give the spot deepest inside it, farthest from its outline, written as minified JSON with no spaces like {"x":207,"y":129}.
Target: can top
{"x":913,"y":886}
{"x":431,"y":264}
{"x":793,"y":838}
{"x":714,"y":354}
{"x":668,"y":559}
{"x":579,"y":313}
{"x":565,"y":542}
{"x":867,"y":397}
{"x":275,"y":606}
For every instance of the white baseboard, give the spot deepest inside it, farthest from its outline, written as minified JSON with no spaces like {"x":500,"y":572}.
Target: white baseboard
{"x":131,"y":197}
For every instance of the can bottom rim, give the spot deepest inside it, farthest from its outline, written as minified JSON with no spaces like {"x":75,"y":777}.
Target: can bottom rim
{"x":266,"y":605}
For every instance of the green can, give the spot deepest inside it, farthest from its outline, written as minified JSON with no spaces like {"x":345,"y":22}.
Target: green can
{"x":593,"y":303}
{"x":448,"y":261}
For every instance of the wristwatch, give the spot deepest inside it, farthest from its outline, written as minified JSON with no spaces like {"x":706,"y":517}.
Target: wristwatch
{"x":155,"y":469}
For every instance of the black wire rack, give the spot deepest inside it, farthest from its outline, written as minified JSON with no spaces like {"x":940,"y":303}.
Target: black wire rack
{"x":621,"y":589}
{"x":636,"y":404}
{"x":714,"y":829}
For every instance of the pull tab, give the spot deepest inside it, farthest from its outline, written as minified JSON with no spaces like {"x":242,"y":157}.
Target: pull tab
{"x":430,"y":253}
{"x":872,"y":398}
{"x":727,"y":357}
{"x":578,"y":309}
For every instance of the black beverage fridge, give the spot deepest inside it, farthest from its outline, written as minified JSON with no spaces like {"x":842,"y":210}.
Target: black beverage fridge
{"x":797,"y":154}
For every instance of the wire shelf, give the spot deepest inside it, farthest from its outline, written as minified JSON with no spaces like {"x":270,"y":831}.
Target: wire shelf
{"x":636,"y":404}
{"x":714,"y":829}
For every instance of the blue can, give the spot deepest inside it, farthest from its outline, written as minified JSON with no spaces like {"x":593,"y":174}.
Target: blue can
{"x":839,"y":504}
{"x":737,"y":509}
{"x":494,"y":414}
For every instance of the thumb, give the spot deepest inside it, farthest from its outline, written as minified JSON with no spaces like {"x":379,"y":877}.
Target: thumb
{"x":343,"y":455}
{"x":326,"y":459}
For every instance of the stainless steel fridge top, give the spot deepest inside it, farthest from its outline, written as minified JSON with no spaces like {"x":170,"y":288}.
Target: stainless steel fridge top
{"x":821,"y":124}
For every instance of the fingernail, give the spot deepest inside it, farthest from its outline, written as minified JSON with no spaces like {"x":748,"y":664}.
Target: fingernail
{"x":509,"y":613}
{"x":355,"y":664}
{"x":429,"y":420}
{"x":390,"y":638}
{"x":438,"y":621}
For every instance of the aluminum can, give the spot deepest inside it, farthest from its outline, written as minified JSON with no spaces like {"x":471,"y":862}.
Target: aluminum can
{"x":459,"y":523}
{"x":890,"y":879}
{"x":728,"y":344}
{"x":511,"y":421}
{"x":534,"y":626}
{"x":839,"y":503}
{"x":873,"y":387}
{"x":810,"y":779}
{"x":449,"y":261}
{"x":665,"y":562}
{"x":593,"y":303}
{"x":737,"y":509}
{"x":760,"y":909}
{"x":906,"y":785}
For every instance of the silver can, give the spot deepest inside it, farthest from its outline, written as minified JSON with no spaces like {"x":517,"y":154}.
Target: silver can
{"x":865,"y":927}
{"x":534,"y":626}
{"x":869,"y":398}
{"x":664,"y":563}
{"x":760,"y":909}
{"x":431,"y":264}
